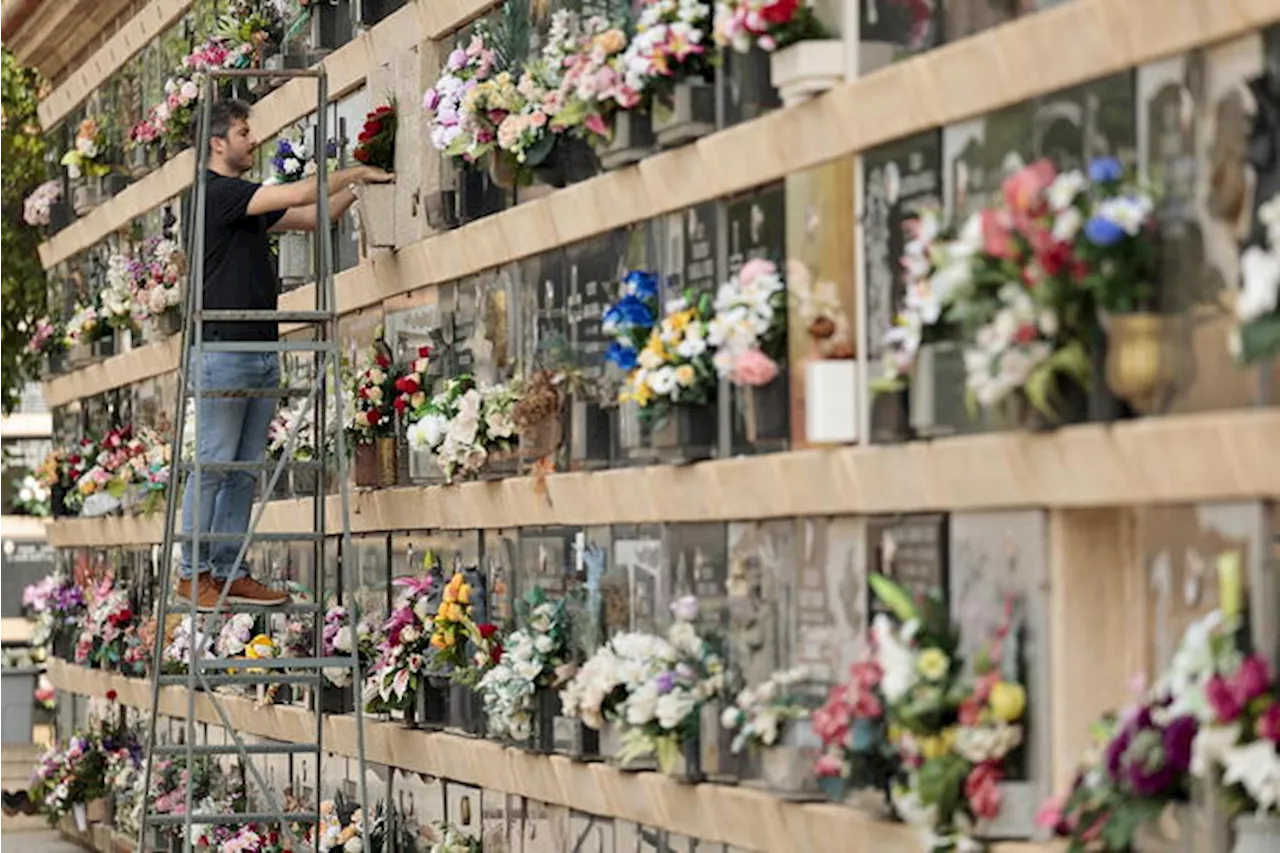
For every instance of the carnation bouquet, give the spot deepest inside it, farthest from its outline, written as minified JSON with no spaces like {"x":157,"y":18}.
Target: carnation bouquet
{"x":398,"y":673}
{"x":749,"y":328}
{"x":108,"y":623}
{"x":767,"y":24}
{"x":675,"y":368}
{"x":372,"y":408}
{"x":340,"y":638}
{"x":854,"y":729}
{"x":533,"y":657}
{"x":672,"y":43}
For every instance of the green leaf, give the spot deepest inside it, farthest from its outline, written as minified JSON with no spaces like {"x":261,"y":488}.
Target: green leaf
{"x":894,"y":597}
{"x":1260,"y":339}
{"x":1041,"y":387}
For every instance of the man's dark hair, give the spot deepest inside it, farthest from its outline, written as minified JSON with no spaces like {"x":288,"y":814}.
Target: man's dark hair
{"x":224,"y":113}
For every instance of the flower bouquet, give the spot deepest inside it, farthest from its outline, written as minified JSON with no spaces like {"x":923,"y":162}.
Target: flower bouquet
{"x":376,"y":146}
{"x":57,"y":604}
{"x":772,"y":719}
{"x":669,"y":62}
{"x":400,"y":671}
{"x":461,"y":652}
{"x":652,"y":689}
{"x":109,"y":621}
{"x":631,"y":319}
{"x":480,"y":433}
{"x":804,"y":59}
{"x":66,"y":780}
{"x":37,"y":208}
{"x":518,"y":689}
{"x":84,"y":165}
{"x":411,"y":394}
{"x":853,"y":726}
{"x":31,"y":497}
{"x":371,"y":420}
{"x":953,"y":730}
{"x":1257,"y":337}
{"x":49,"y":340}
{"x":83,"y":328}
{"x":455,"y":126}
{"x":339,"y":637}
{"x":595,"y":103}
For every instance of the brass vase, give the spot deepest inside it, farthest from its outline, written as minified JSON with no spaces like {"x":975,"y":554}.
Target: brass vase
{"x":366,"y":465}
{"x":1139,"y":363}
{"x":386,"y":450}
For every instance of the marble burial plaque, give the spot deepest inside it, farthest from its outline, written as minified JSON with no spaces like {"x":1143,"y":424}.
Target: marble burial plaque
{"x":501,"y":556}
{"x":638,"y":555}
{"x":546,"y":555}
{"x":697,"y":270}
{"x":544,"y":302}
{"x":696,"y":564}
{"x":463,"y":808}
{"x":891,"y":29}
{"x":759,"y":588}
{"x":910,"y":550}
{"x":372,"y":569}
{"x":830,"y":606}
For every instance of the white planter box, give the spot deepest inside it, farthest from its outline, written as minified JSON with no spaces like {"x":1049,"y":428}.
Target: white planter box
{"x":830,"y":401}
{"x":297,"y":264}
{"x":378,"y":216}
{"x":692,"y":114}
{"x":807,"y":68}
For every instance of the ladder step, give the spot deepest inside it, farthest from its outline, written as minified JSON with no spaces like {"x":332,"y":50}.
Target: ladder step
{"x":236,"y":393}
{"x":233,"y":749}
{"x":270,"y":346}
{"x":296,"y":536}
{"x":251,"y":316}
{"x":226,"y":819}
{"x":183,"y":605}
{"x":252,"y":678}
{"x":213,"y":664}
{"x":264,"y":465}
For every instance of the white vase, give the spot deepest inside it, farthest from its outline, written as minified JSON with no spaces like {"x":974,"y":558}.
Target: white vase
{"x":830,"y":401}
{"x":691,"y":114}
{"x":807,"y":68}
{"x":1256,"y":833}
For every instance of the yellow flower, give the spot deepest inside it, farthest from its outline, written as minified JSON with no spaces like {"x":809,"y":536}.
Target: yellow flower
{"x":88,"y":487}
{"x":439,"y":641}
{"x":685,"y":375}
{"x":936,"y":746}
{"x":1007,"y":700}
{"x":464,"y":594}
{"x":680,"y":320}
{"x":260,"y":647}
{"x":933,"y":664}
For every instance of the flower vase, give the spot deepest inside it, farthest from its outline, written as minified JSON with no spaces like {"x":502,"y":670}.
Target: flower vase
{"x":570,"y":161}
{"x":86,"y":194}
{"x":686,"y":434}
{"x":830,"y":401}
{"x":1256,"y":833}
{"x":304,"y":482}
{"x":79,"y":814}
{"x":1140,"y":360}
{"x":715,"y":743}
{"x":937,"y":391}
{"x":58,"y":501}
{"x":766,"y":411}
{"x":388,"y":473}
{"x":890,"y":418}
{"x":169,"y":323}
{"x":102,"y":837}
{"x":691,"y":114}
{"x":1169,"y":832}
{"x":1070,"y":406}
{"x":543,"y":438}
{"x":423,"y":468}
{"x":105,"y":345}
{"x":546,"y":711}
{"x":336,"y":700}
{"x":688,"y":765}
{"x":139,"y":162}
{"x":611,"y":746}
{"x":296,"y":260}
{"x":786,"y":768}
{"x":80,"y":354}
{"x":55,"y":363}
{"x":431,"y":707}
{"x":366,"y":465}
{"x":114,"y":183}
{"x":807,"y":68}
{"x":378,"y":215}
{"x":632,"y":140}
{"x":64,"y":643}
{"x":466,"y":710}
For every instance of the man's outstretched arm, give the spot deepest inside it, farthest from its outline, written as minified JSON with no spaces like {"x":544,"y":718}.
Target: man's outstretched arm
{"x":305,"y":218}
{"x":268,"y":199}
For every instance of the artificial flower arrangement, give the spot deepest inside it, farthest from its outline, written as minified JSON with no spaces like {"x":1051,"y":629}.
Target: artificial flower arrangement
{"x":117,"y":306}
{"x":672,"y":43}
{"x":57,"y":604}
{"x":465,"y":425}
{"x":340,"y":638}
{"x":372,"y":408}
{"x":398,"y":673}
{"x":123,"y":465}
{"x":70,"y":776}
{"x":455,"y":125}
{"x":185,"y":640}
{"x":1141,"y":760}
{"x":767,"y":24}
{"x":675,"y":368}
{"x":84,"y":326}
{"x":631,"y":319}
{"x":761,"y":712}
{"x":461,"y":649}
{"x":652,"y":687}
{"x":449,"y":839}
{"x":411,"y":387}
{"x":428,"y":420}
{"x":79,"y":459}
{"x":83,"y":160}
{"x":47,"y":339}
{"x":214,"y":789}
{"x":37,"y":208}
{"x":108,"y":623}
{"x":853,"y":726}
{"x":293,"y":160}
{"x":285,"y":422}
{"x":158,"y":283}
{"x":536,"y":656}
{"x":31,"y":497}
{"x":1257,"y":335}
{"x":252,"y":29}
{"x":749,"y":329}
{"x":376,"y":144}
{"x":953,"y":728}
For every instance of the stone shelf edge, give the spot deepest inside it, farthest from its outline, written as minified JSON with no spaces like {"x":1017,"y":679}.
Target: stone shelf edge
{"x":996,"y":68}
{"x":128,"y":368}
{"x":742,"y":816}
{"x":347,"y":67}
{"x":132,"y":37}
{"x":1221,"y":456}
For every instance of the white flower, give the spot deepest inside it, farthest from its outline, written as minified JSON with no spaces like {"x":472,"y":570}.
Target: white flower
{"x":663,"y":381}
{"x":1260,"y":275}
{"x":1129,"y":212}
{"x":895,"y":659}
{"x":1065,"y":188}
{"x":674,"y":707}
{"x":428,"y":432}
{"x":1067,"y":225}
{"x":1256,"y":767}
{"x":292,"y":166}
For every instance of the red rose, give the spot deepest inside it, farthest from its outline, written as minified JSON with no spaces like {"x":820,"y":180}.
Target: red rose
{"x":372,"y":416}
{"x":781,"y":12}
{"x":400,"y":404}
{"x":487,"y":630}
{"x":111,"y":695}
{"x":361,"y":154}
{"x":367,"y":134}
{"x":363,"y":393}
{"x":383,"y":361}
{"x":1026,"y":334}
{"x":410,"y":385}
{"x":381,"y":111}
{"x":424,"y":352}
{"x":495,"y":654}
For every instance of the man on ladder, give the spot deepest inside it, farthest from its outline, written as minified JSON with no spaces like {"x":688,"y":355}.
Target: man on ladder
{"x":239,"y":275}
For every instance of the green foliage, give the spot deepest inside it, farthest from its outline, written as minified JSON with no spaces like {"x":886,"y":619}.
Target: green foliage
{"x":22,"y":151}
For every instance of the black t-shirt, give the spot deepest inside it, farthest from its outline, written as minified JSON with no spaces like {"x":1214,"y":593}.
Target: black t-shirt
{"x":238,"y":270}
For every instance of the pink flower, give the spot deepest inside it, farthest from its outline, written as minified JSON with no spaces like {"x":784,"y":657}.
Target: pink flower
{"x":596,"y":125}
{"x":1252,"y":679}
{"x":1226,"y":707}
{"x":1269,"y":723}
{"x":866,"y":674}
{"x":1050,"y":813}
{"x":996,"y":239}
{"x":867,"y":707}
{"x":1024,"y":191}
{"x":756,"y":268}
{"x":754,"y":368}
{"x":828,"y":765}
{"x":982,"y":790}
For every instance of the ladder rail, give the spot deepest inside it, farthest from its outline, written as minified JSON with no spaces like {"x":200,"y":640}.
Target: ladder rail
{"x":326,"y":356}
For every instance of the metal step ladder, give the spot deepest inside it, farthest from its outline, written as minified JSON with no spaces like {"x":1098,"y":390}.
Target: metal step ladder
{"x":208,"y":673}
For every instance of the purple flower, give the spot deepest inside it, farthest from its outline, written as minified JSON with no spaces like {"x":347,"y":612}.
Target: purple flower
{"x":1178,"y":736}
{"x":666,"y":682}
{"x":457,"y":59}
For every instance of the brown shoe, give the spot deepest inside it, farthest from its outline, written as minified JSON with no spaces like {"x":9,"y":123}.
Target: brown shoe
{"x":207,"y":592}
{"x":249,"y":591}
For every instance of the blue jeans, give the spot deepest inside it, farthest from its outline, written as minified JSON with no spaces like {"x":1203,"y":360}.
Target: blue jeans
{"x":230,"y":430}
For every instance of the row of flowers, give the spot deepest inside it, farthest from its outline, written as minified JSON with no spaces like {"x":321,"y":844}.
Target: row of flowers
{"x":128,"y":468}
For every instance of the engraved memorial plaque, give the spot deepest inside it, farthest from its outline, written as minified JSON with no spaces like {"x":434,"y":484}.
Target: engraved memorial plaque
{"x":759,"y":591}
{"x":889,"y":30}
{"x":696,"y":557}
{"x":501,"y":556}
{"x":463,"y":808}
{"x":910,"y":550}
{"x":698,"y":273}
{"x":748,"y":89}
{"x":899,"y":180}
{"x":831,"y":617}
{"x":638,"y":553}
{"x":545,"y":560}
{"x":371,"y":568}
{"x":594,"y":276}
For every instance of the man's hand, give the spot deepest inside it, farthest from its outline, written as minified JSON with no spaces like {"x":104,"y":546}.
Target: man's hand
{"x":374,"y":175}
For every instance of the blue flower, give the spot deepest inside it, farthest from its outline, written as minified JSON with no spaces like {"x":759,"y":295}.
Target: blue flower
{"x":628,"y":311}
{"x":1103,"y":170}
{"x":640,"y":283}
{"x":1103,"y":232}
{"x":621,"y":355}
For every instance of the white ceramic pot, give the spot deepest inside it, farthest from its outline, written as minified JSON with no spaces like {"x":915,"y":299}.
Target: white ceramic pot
{"x":807,"y":68}
{"x":830,"y":401}
{"x":378,"y":215}
{"x":1256,"y":834}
